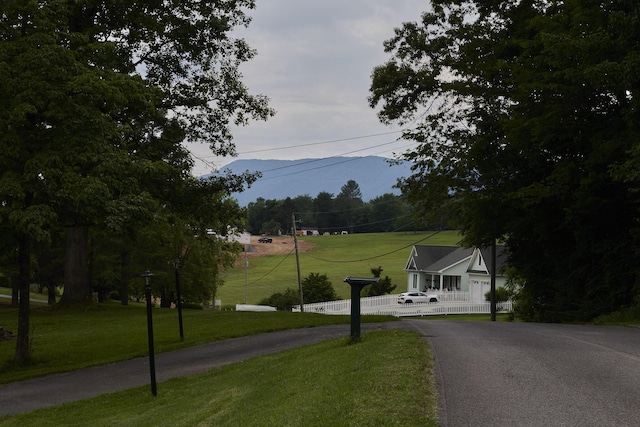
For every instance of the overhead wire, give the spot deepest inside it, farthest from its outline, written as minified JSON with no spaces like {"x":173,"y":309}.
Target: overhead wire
{"x":320,"y":142}
{"x":210,"y":164}
{"x":349,"y":159}
{"x":373,"y":257}
{"x":330,"y":157}
{"x":272,"y":269}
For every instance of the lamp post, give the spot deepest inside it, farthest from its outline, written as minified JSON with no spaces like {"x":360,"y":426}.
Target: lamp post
{"x":176,"y":266}
{"x":152,"y":363}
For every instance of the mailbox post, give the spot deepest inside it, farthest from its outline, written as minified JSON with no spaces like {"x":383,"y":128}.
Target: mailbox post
{"x":357,"y":283}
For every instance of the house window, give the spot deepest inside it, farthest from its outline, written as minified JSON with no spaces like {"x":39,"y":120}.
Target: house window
{"x":414,"y":285}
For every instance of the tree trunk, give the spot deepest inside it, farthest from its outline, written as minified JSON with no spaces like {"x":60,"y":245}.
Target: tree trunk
{"x":124,"y":276}
{"x":23,"y":352}
{"x":15,"y":290}
{"x":51,"y":297}
{"x":76,"y":273}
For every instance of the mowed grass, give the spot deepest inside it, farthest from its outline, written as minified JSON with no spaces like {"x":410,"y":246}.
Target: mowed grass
{"x":337,"y":257}
{"x":333,"y":383}
{"x":96,"y":334}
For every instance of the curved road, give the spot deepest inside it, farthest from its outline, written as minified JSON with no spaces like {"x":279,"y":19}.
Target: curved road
{"x":524,"y":374}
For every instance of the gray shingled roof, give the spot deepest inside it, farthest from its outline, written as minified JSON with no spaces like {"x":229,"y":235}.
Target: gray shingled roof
{"x":436,"y":258}
{"x":428,"y":257}
{"x":452,"y":258}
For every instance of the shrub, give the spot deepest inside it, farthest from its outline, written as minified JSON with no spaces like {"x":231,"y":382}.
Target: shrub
{"x":282,"y":301}
{"x":502,"y":295}
{"x":317,"y":287}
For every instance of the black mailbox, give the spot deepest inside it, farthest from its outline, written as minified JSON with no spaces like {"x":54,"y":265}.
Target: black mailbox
{"x":357,"y":283}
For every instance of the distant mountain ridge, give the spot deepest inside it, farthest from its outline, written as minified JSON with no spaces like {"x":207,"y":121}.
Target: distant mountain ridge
{"x":291,"y":178}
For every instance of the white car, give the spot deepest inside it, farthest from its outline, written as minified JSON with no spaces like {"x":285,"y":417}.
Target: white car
{"x":410,"y":297}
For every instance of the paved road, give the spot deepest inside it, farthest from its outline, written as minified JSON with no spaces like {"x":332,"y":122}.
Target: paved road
{"x":518,"y":374}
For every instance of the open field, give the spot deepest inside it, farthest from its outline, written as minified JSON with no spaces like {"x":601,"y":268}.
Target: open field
{"x":273,"y":267}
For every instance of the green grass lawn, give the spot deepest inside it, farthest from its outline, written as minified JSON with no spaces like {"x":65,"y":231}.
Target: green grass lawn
{"x":333,"y":383}
{"x":337,"y":257}
{"x":68,"y":339}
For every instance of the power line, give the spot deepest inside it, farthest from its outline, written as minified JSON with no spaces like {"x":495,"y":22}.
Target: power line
{"x":324,"y":158}
{"x":351,"y":159}
{"x":319,"y":143}
{"x":270,"y":271}
{"x":373,"y":257}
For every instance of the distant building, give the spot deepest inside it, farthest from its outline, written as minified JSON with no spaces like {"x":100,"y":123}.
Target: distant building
{"x":307,"y":231}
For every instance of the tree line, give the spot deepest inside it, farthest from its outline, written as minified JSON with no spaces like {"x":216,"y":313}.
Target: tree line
{"x":334,"y":214}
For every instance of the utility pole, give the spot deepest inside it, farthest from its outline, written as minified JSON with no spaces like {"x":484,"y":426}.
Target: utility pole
{"x":295,"y":244}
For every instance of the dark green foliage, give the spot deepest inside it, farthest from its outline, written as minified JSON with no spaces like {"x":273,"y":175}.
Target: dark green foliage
{"x":502,"y":295}
{"x":330,"y":214}
{"x":283,"y":301}
{"x":381,"y":287}
{"x":528,"y":130}
{"x":5,"y":282}
{"x":317,"y":287}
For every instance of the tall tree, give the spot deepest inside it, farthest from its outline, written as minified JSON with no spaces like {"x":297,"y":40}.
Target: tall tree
{"x":348,"y":202}
{"x":387,"y":211}
{"x":528,"y":130}
{"x":96,"y":98}
{"x":323,"y":208}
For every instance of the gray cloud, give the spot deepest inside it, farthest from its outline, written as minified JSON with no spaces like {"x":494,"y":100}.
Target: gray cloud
{"x":314,"y":62}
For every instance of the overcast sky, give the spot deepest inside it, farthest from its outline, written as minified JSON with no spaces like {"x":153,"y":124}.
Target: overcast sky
{"x":314,"y":62}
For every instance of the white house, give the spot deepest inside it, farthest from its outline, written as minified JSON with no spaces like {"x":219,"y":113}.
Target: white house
{"x":451,"y":268}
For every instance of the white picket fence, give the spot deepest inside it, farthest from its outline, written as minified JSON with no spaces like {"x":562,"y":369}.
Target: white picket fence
{"x":450,"y":303}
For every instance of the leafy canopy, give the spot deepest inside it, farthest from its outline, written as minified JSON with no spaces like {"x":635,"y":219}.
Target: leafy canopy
{"x":527,"y":119}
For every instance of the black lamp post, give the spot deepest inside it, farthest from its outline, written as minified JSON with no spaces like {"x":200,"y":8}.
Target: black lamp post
{"x":357,"y":283}
{"x":152,"y":363}
{"x":176,"y":265}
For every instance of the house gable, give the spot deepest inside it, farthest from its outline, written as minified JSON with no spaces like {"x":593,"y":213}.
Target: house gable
{"x":411,"y":262}
{"x":481,"y":261}
{"x":477,"y":264}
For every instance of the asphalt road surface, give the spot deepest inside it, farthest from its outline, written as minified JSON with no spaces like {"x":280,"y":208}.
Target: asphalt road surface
{"x":523,"y":374}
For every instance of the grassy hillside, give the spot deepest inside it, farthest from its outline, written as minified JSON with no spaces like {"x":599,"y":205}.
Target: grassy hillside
{"x":337,"y":257}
